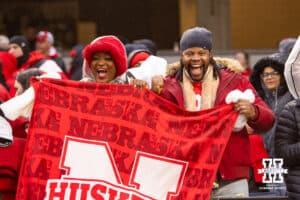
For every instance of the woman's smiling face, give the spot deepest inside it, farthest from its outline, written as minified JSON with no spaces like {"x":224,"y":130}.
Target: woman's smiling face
{"x":103,"y":67}
{"x":270,"y":78}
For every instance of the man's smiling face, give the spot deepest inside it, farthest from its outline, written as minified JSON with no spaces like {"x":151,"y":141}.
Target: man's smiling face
{"x":195,"y":61}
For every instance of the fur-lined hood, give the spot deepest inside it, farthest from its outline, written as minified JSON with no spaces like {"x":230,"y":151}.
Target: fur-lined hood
{"x":258,"y":70}
{"x":228,"y":63}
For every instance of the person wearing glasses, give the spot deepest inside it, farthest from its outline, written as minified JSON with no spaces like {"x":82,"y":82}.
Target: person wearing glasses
{"x":268,"y":79}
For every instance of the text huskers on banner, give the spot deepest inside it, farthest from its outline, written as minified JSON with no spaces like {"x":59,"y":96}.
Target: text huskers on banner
{"x":105,"y":141}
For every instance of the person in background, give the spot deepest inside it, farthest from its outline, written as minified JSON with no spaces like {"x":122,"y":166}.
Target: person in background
{"x":19,"y":47}
{"x":44,"y":44}
{"x":292,"y":70}
{"x":136,"y":54}
{"x":30,"y":32}
{"x":21,"y":105}
{"x":4,"y":88}
{"x":268,"y":79}
{"x":22,"y":81}
{"x":287,"y":146}
{"x":287,"y":133}
{"x":75,"y":69}
{"x":8,"y":70}
{"x":4,"y":41}
{"x":130,"y":47}
{"x":201,"y":84}
{"x":284,"y":49}
{"x":243,"y":58}
{"x":137,"y":57}
{"x":150,"y":45}
{"x":12,"y":154}
{"x":7,"y":67}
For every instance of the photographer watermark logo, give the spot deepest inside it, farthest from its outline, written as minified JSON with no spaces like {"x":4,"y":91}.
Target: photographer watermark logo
{"x":273,"y":171}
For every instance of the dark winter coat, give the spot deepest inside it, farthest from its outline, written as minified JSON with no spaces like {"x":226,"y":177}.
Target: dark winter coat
{"x":287,"y":145}
{"x":75,"y":71}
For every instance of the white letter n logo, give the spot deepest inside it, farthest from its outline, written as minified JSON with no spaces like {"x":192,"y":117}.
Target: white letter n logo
{"x":155,"y":176}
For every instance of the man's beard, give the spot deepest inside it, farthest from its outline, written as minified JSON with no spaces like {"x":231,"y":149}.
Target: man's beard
{"x":203,"y":67}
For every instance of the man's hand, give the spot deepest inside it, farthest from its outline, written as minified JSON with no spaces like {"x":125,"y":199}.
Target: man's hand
{"x":246,"y":108}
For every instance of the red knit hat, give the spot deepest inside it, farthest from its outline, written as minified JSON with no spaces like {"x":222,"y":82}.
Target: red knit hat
{"x":109,"y":44}
{"x":139,"y":56}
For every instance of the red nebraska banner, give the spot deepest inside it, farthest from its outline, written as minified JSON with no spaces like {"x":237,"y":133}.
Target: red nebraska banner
{"x":104,"y":141}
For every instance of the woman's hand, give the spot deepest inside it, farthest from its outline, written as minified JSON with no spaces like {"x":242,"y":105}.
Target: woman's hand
{"x":139,"y":83}
{"x":157,"y":84}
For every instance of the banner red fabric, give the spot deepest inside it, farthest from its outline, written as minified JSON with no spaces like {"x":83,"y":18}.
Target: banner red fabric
{"x":105,"y":141}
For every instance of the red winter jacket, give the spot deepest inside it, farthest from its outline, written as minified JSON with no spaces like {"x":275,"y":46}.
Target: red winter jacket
{"x":10,"y":163}
{"x":235,"y":162}
{"x":34,"y":57}
{"x":9,"y":69}
{"x":4,"y":94}
{"x":257,"y":154}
